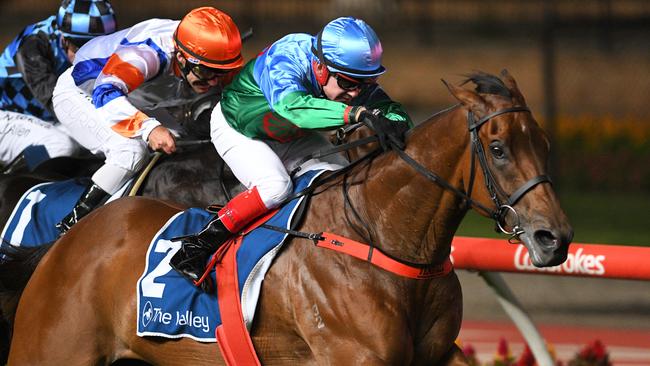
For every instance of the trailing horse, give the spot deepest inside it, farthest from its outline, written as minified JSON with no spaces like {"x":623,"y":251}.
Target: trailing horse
{"x":195,"y":176}
{"x":318,"y":306}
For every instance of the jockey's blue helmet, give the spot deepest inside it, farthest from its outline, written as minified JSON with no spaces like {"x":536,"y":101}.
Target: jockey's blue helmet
{"x":81,"y":20}
{"x":349,"y":46}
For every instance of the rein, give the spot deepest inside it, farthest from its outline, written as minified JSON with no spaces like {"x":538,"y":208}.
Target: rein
{"x":502,"y":208}
{"x":407,"y":269}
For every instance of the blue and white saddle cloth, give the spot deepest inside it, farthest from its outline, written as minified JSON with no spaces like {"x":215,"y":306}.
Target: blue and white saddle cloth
{"x":32,"y":222}
{"x":169,"y":306}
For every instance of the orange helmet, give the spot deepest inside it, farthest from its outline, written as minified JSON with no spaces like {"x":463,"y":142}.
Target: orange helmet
{"x":207,"y":36}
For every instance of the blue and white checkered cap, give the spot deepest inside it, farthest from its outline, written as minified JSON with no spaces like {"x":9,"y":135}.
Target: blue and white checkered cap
{"x":85,"y":19}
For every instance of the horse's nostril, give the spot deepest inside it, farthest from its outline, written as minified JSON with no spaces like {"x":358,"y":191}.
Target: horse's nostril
{"x":546,"y":239}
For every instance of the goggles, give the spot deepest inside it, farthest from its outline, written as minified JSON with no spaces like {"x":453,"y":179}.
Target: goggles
{"x":349,"y":83}
{"x":204,"y":73}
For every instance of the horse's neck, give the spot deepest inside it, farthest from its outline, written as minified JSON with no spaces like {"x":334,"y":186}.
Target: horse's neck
{"x":412,"y":217}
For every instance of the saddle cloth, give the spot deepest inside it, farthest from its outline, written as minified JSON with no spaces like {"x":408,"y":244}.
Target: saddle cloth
{"x":169,"y":306}
{"x":32,"y":222}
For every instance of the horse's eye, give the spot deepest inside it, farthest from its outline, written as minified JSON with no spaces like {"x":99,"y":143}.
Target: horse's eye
{"x":497,"y":150}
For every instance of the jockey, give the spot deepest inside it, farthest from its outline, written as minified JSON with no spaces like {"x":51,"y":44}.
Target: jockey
{"x":158,"y":63}
{"x":268,"y":118}
{"x":29,"y":68}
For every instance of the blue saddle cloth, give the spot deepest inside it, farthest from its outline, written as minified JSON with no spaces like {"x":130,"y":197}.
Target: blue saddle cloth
{"x":169,"y":306}
{"x":32,"y":222}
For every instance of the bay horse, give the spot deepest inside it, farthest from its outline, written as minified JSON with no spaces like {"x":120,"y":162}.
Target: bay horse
{"x":317,"y":306}
{"x":195,"y":176}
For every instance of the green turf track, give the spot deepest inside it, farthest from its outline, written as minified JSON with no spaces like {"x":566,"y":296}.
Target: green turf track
{"x":597,"y":218}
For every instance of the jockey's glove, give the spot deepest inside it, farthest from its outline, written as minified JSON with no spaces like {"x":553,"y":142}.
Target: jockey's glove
{"x":389,"y":133}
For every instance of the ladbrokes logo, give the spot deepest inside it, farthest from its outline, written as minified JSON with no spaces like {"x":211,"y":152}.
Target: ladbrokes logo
{"x":576,"y":263}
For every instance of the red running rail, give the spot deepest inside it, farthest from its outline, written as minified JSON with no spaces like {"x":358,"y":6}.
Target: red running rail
{"x":585,"y":260}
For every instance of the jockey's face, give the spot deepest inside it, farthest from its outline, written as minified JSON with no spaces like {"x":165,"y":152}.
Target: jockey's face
{"x":334,"y":92}
{"x":198,"y":84}
{"x":342,"y":88}
{"x":70,"y":49}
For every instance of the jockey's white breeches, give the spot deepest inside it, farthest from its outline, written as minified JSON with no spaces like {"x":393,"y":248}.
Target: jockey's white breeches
{"x":19,"y":131}
{"x":124,"y":156}
{"x":266,"y":164}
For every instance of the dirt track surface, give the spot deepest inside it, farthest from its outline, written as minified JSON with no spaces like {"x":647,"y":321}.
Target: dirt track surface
{"x":574,"y":301}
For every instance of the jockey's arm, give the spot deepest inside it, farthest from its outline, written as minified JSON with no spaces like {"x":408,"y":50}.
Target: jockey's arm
{"x":125,"y":70}
{"x":289,"y":97}
{"x":34,"y":60}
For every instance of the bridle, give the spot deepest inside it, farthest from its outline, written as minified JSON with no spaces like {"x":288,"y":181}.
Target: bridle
{"x":495,"y":191}
{"x":477,"y":153}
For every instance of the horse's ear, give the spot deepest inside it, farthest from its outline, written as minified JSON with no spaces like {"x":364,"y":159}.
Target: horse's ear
{"x":468,"y":98}
{"x":512,"y":86}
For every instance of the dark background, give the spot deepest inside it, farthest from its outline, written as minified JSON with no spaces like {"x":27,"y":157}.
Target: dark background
{"x":582,"y":65}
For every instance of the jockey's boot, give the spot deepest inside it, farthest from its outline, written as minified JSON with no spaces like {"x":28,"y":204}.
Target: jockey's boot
{"x":92,"y":197}
{"x":18,"y":165}
{"x":190,"y":260}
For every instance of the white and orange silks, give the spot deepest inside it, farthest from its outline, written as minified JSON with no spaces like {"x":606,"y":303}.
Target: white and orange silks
{"x":114,"y":78}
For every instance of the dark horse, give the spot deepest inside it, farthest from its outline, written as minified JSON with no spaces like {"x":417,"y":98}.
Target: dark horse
{"x":318,"y":306}
{"x":195,"y":176}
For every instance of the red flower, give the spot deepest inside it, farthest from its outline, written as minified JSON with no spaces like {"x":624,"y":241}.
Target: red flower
{"x":503,"y":351}
{"x":598,"y":350}
{"x":469,"y":351}
{"x":526,"y":358}
{"x":592,"y":354}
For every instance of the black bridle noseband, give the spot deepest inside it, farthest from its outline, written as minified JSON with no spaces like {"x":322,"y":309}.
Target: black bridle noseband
{"x":495,"y":191}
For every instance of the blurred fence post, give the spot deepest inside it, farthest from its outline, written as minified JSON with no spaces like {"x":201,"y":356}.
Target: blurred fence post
{"x":518,"y":314}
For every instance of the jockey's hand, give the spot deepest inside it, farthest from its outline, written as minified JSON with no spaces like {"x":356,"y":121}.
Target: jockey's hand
{"x":390,"y":133}
{"x":161,"y":138}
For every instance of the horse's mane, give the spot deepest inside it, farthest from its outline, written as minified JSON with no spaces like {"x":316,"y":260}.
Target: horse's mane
{"x":488,"y":84}
{"x":485,"y":84}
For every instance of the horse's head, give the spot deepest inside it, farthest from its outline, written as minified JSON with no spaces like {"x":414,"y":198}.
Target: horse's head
{"x":512,"y":152}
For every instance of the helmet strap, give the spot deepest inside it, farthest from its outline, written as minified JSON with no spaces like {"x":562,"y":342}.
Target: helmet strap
{"x":320,"y":68}
{"x":182,"y":70}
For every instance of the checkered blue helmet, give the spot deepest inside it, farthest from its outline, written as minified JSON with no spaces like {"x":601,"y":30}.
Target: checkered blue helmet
{"x":82,"y":20}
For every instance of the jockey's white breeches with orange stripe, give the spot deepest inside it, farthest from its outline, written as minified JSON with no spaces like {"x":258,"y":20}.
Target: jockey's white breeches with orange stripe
{"x":124,"y":156}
